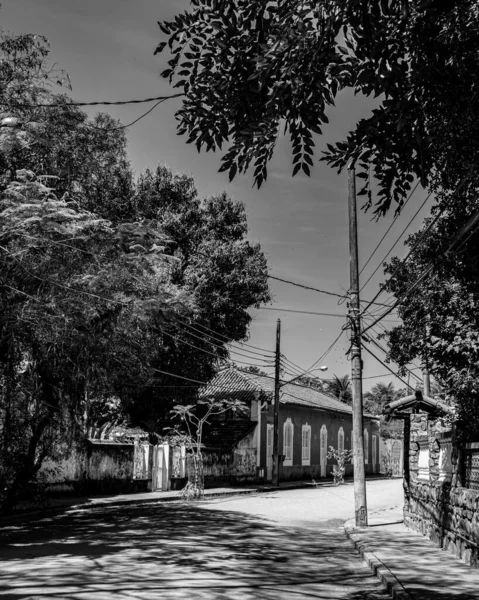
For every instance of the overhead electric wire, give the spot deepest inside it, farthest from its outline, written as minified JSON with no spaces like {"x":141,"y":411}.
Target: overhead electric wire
{"x":389,"y":229}
{"x":227,"y":340}
{"x":220,"y":346}
{"x":472,"y":224}
{"x":394,"y":245}
{"x":421,"y":236}
{"x":129,"y":124}
{"x":222,"y":358}
{"x":95,"y":103}
{"x":385,"y":351}
{"x":220,"y":343}
{"x":304,"y":312}
{"x":380,"y":347}
{"x":384,"y":364}
{"x":313,"y":289}
{"x":320,"y":359}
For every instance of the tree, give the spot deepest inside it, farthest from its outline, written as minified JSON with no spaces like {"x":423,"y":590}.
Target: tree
{"x":341,"y":457}
{"x":104,"y":280}
{"x":215,"y":264}
{"x":78,"y":297}
{"x":190,"y":434}
{"x":44,"y":132}
{"x":340,"y":388}
{"x":248,"y":69}
{"x":380,"y":394}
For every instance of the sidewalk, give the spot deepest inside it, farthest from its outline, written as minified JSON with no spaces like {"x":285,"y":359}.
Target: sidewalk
{"x":409,"y":564}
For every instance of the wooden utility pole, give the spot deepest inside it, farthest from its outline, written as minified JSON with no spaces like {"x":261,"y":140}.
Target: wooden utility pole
{"x":425,"y":372}
{"x":360,"y":505}
{"x":277,"y":364}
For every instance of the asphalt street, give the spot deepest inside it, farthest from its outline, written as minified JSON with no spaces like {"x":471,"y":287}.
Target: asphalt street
{"x":281,"y":545}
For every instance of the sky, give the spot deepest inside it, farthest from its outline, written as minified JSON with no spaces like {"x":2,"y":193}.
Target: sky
{"x":107,"y":46}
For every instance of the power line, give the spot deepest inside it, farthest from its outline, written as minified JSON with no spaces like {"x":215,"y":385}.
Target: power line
{"x":313,"y":289}
{"x":380,"y":347}
{"x":129,"y":124}
{"x":224,"y":337}
{"x":321,"y":358}
{"x":262,"y":364}
{"x":96,"y":103}
{"x":384,"y":364}
{"x":304,"y":312}
{"x":422,"y":235}
{"x":388,"y":229}
{"x":394,"y":245}
{"x":220,"y":344}
{"x":470,"y":227}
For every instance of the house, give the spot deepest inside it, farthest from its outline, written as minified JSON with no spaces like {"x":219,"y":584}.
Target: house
{"x":309,"y":423}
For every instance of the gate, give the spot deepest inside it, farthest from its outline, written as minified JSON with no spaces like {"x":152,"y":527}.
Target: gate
{"x":160,"y":473}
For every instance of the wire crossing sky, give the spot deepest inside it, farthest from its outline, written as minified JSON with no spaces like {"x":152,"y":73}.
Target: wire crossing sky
{"x":302,"y":223}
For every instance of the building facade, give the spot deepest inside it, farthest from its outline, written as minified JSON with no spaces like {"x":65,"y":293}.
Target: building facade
{"x":310,"y":423}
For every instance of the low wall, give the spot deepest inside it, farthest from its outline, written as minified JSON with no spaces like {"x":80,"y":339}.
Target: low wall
{"x":441,"y":501}
{"x":101,"y":467}
{"x":224,"y":466}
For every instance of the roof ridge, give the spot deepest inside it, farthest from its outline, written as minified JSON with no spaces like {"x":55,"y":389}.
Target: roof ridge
{"x":242,"y":373}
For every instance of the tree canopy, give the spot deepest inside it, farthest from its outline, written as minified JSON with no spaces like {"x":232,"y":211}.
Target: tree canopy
{"x":107,"y":282}
{"x":437,"y":291}
{"x":250,"y":70}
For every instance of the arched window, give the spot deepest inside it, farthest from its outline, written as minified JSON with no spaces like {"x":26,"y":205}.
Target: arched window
{"x":306,"y":445}
{"x":340,"y":439}
{"x":288,"y":433}
{"x":366,"y":447}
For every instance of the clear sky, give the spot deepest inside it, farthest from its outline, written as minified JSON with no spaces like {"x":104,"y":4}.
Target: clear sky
{"x":107,"y":48}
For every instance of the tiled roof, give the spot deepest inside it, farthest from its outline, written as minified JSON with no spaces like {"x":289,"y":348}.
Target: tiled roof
{"x":243,"y":385}
{"x":292,"y":393}
{"x":230,"y":382}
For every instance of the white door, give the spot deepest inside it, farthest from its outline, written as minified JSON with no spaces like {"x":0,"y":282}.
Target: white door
{"x":269,"y":452}
{"x":323,"y":450}
{"x":160,"y":473}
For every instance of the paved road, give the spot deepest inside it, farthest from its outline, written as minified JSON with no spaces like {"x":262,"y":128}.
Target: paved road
{"x":284,"y":545}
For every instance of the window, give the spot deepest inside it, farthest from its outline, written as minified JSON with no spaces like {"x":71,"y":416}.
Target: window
{"x":340,"y":439}
{"x":288,"y":430}
{"x":306,"y":445}
{"x":374,"y":450}
{"x":366,"y":447}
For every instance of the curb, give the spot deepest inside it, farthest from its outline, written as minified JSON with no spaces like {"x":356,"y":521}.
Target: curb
{"x":379,"y":569}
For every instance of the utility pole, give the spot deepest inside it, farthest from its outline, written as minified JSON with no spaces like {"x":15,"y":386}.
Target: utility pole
{"x":277,"y":363}
{"x":425,"y":372}
{"x":360,"y":506}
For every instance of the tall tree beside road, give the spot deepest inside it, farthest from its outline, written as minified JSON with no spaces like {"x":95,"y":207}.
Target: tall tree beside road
{"x":103,"y":279}
{"x":222,"y":271}
{"x":249,"y":69}
{"x":78,"y":300}
{"x":440,"y":323}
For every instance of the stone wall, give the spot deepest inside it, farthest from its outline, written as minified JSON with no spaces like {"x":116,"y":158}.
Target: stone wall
{"x":440,"y":501}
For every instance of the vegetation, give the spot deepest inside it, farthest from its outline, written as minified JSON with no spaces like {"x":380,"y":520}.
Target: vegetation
{"x":341,"y":458}
{"x":190,"y":434}
{"x":340,"y":388}
{"x":104,"y":278}
{"x":440,"y":324}
{"x":250,"y":69}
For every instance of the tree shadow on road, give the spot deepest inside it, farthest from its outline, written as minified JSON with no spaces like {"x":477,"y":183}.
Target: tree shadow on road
{"x":177,"y":551}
